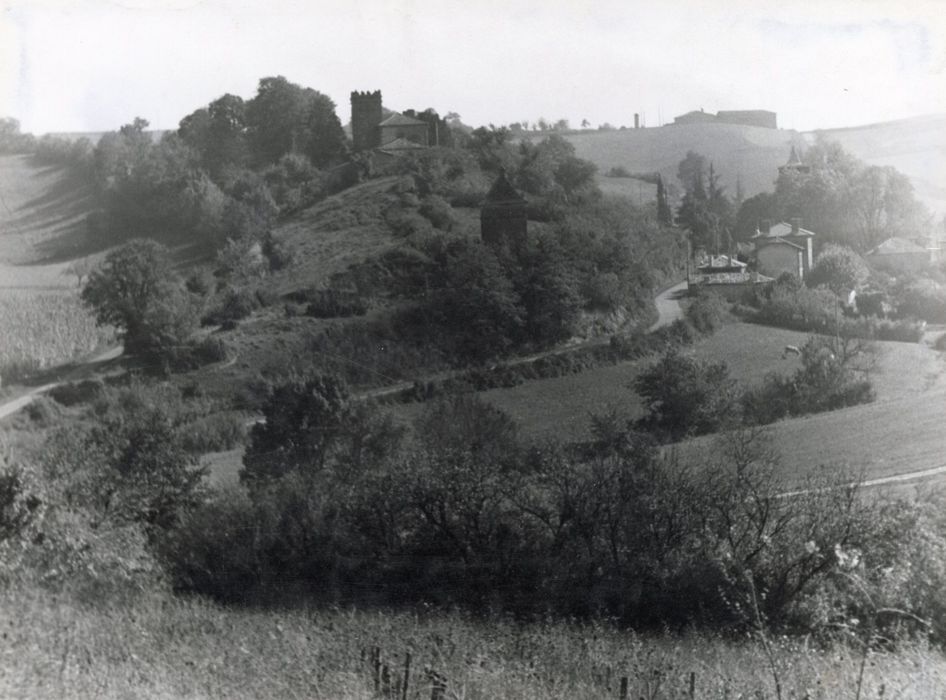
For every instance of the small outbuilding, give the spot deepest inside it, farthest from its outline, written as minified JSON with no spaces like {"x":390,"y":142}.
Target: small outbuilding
{"x":898,"y":255}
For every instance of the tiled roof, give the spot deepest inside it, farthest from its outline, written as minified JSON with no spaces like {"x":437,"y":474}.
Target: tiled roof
{"x":399,"y":145}
{"x":502,"y":190}
{"x":764,"y":241}
{"x":400,"y":120}
{"x":718,"y":261}
{"x":783,"y":230}
{"x":893,"y":246}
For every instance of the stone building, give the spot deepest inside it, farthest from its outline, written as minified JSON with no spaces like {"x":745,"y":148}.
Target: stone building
{"x":745,"y":117}
{"x":785,"y":247}
{"x":370,"y":129}
{"x":503,"y":217}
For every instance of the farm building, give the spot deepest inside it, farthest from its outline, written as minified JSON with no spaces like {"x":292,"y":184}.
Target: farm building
{"x":748,"y":117}
{"x":695,"y":117}
{"x":745,"y":117}
{"x":898,"y":255}
{"x":785,"y":247}
{"x":726,"y":276}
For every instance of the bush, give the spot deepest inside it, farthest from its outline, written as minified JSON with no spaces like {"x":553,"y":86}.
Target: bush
{"x":214,"y":433}
{"x":706,"y":313}
{"x":235,"y":305}
{"x":438,"y":212}
{"x":73,"y":393}
{"x":42,"y":411}
{"x":685,"y":397}
{"x":332,"y":303}
{"x":921,"y":299}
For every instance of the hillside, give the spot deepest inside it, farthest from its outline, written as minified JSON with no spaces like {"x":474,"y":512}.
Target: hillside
{"x":916,"y":147}
{"x":42,"y":212}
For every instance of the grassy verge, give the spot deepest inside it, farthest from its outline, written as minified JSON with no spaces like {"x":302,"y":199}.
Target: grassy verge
{"x":161,"y":647}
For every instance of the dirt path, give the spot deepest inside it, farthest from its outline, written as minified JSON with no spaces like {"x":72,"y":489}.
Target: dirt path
{"x":14,"y":405}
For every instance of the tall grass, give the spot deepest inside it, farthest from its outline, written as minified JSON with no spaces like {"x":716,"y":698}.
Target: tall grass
{"x":162,"y":647}
{"x":43,"y":329}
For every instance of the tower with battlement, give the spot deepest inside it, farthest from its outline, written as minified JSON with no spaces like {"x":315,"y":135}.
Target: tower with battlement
{"x":365,"y":117}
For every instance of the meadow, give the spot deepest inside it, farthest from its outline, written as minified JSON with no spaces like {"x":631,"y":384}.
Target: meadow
{"x":159,"y":646}
{"x":910,"y":381}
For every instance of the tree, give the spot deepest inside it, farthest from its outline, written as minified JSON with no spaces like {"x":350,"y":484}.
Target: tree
{"x":664,"y":215}
{"x":691,"y":172}
{"x":686,"y":397}
{"x":312,"y":425}
{"x":751,"y":214}
{"x":839,"y":269}
{"x":136,"y":291}
{"x":284,"y":117}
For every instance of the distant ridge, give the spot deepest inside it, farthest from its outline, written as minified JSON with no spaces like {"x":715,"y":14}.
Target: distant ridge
{"x":95,"y":136}
{"x":916,"y":146}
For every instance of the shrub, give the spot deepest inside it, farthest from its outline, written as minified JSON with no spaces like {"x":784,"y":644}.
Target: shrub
{"x":438,"y":212}
{"x":706,"y":313}
{"x":923,"y":299}
{"x":332,"y":303}
{"x":408,"y":224}
{"x":235,"y":305}
{"x":214,"y":433}
{"x":73,"y":393}
{"x":42,"y":411}
{"x":839,"y":269}
{"x":686,"y":397}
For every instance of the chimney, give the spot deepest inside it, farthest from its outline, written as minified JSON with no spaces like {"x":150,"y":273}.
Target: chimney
{"x":796,"y":224}
{"x":637,"y":121}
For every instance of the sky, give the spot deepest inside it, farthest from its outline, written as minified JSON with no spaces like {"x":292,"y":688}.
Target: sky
{"x":93,"y":65}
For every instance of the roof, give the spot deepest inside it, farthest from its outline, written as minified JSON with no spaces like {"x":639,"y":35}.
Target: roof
{"x":400,"y":120}
{"x":764,"y":242}
{"x":721,"y":262}
{"x":897,"y":246}
{"x":783,"y":230}
{"x":401,"y":144}
{"x":503,"y":191}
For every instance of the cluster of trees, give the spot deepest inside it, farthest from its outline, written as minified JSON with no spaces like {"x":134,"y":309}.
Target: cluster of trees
{"x":482,"y":302}
{"x":842,"y":198}
{"x":705,"y":211}
{"x":344,"y":505}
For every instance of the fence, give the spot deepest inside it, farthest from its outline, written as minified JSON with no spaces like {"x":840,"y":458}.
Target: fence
{"x":391,"y":679}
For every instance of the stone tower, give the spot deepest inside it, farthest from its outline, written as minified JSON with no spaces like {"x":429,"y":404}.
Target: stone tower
{"x":503,"y":217}
{"x":365,"y":117}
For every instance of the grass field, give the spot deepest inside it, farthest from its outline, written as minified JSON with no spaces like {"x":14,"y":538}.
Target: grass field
{"x":161,"y":647}
{"x":900,"y":432}
{"x":42,"y":210}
